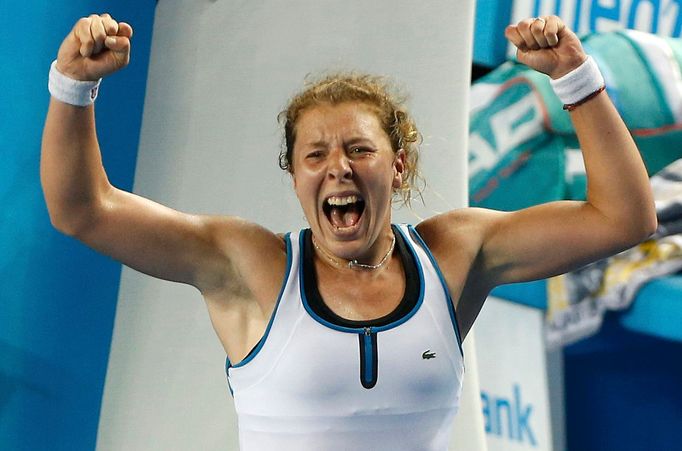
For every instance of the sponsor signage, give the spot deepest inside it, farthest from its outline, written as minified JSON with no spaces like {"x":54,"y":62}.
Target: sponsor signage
{"x":662,"y":17}
{"x":513,"y":376}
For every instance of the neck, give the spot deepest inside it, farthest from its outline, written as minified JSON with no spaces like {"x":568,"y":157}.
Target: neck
{"x":354,"y":264}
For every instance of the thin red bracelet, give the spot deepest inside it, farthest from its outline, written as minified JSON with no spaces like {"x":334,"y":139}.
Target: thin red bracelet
{"x":573,"y":106}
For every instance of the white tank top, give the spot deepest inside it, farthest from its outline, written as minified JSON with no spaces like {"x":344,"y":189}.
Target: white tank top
{"x":318,"y":382}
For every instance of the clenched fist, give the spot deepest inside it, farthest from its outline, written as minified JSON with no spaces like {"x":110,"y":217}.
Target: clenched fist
{"x":546,"y":45}
{"x":96,"y":46}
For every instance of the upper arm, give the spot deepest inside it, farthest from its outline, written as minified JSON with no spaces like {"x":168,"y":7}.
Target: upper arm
{"x":205,"y":251}
{"x":478,"y":249}
{"x":529,"y":244}
{"x":548,"y":239}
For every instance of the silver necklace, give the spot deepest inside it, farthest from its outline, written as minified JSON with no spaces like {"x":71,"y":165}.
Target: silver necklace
{"x":354,"y":264}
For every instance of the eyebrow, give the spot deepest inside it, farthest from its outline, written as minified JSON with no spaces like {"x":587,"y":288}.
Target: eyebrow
{"x":348,"y":142}
{"x":359,"y":140}
{"x":316,"y":144}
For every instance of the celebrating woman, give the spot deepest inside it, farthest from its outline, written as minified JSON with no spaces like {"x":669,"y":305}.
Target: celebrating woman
{"x":342,"y":334}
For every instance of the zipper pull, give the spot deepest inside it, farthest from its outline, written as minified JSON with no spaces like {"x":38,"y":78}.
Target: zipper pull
{"x":368,"y":331}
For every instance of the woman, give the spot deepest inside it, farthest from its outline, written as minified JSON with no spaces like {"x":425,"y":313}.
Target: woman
{"x":349,"y":332}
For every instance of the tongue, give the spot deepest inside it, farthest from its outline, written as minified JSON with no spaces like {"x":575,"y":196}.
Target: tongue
{"x":348,"y":218}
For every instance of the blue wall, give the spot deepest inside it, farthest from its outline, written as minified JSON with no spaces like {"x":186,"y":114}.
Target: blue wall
{"x":55,"y":330}
{"x":623,"y":391}
{"x":490,"y":45}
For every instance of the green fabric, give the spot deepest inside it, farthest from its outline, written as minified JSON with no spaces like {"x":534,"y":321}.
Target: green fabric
{"x":509,"y":173}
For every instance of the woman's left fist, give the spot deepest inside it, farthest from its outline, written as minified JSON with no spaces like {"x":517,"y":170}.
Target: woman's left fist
{"x":546,"y":45}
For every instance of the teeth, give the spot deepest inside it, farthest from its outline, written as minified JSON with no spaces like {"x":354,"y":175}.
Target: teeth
{"x":339,"y":201}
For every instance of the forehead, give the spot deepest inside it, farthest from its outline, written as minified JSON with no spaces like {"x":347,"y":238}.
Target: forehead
{"x":326,"y":122}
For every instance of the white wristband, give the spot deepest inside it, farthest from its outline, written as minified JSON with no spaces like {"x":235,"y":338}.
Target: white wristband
{"x":579,"y":83}
{"x":68,"y":90}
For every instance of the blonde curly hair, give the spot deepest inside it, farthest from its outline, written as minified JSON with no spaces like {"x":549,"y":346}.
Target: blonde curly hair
{"x":375,"y":91}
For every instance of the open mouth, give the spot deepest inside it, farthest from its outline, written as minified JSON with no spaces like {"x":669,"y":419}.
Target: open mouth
{"x":344,"y":211}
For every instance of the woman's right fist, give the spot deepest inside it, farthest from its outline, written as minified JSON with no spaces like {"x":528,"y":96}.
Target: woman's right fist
{"x":96,"y":47}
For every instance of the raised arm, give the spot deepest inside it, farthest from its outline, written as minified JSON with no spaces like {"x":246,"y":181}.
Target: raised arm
{"x":556,"y":237}
{"x":619,"y":212}
{"x":207,"y":252}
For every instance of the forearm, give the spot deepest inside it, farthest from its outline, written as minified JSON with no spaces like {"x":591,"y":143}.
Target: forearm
{"x":617,"y":181}
{"x":71,"y":171}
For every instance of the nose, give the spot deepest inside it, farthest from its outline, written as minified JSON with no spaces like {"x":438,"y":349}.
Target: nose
{"x":339,"y":166}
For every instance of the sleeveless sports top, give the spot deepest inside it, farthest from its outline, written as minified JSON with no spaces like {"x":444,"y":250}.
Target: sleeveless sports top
{"x":317,"y":381}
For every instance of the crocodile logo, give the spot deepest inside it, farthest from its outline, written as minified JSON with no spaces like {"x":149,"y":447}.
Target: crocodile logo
{"x":426,"y":355}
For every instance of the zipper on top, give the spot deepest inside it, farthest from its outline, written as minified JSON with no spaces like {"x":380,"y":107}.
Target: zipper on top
{"x":369,"y":362}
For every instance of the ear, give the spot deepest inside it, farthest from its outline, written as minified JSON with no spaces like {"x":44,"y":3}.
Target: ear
{"x":398,"y":168}
{"x":292,"y":174}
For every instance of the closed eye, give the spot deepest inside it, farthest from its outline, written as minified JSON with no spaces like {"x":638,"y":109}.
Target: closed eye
{"x":314,"y":154}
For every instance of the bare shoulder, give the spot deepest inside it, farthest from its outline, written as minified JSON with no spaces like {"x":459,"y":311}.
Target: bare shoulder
{"x":465,"y":227}
{"x":251,"y":259}
{"x":241,"y":286}
{"x":456,"y":239}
